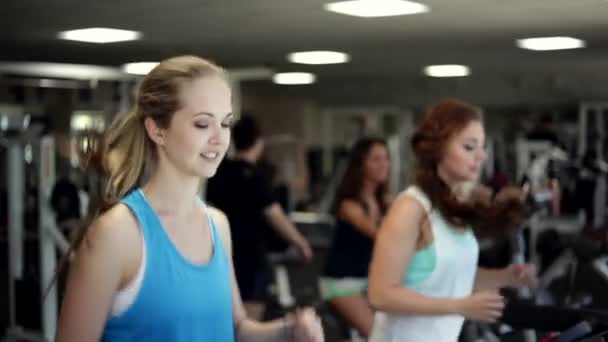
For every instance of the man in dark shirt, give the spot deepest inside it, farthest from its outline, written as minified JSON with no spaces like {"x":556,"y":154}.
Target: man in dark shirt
{"x":244,"y":194}
{"x":65,"y":202}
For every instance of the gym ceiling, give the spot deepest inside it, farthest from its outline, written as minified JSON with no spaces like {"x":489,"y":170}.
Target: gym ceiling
{"x":260,"y":33}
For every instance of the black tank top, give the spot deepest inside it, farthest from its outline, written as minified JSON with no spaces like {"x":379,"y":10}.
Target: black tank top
{"x":350,"y":253}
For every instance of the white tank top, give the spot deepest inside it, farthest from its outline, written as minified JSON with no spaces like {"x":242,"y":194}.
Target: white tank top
{"x":452,"y":277}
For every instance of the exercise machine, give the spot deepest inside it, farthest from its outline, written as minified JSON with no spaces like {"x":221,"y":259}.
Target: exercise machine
{"x":50,"y":238}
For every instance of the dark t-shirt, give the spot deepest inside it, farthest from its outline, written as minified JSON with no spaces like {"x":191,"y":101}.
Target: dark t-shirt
{"x":350,"y":253}
{"x":242,"y":193}
{"x":274,"y":242}
{"x":65,"y":201}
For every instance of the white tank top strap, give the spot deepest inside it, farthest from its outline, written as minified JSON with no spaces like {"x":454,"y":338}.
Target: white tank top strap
{"x":126,"y":297}
{"x":419,"y":195}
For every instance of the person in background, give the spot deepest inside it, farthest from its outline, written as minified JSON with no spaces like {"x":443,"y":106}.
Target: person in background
{"x":273,"y":241}
{"x":244,"y":193}
{"x":424,"y":280}
{"x":361,"y":201}
{"x":544,"y":130}
{"x":66,"y":202}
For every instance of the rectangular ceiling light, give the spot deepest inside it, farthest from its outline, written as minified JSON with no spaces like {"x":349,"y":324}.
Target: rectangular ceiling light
{"x":139,"y":68}
{"x":294,"y":78}
{"x":100,"y":35}
{"x":550,"y":43}
{"x":376,"y":8}
{"x":62,"y":70}
{"x":447,"y":70}
{"x":318,"y":57}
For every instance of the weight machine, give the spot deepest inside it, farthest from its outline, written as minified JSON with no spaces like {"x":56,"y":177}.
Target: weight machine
{"x":50,"y":238}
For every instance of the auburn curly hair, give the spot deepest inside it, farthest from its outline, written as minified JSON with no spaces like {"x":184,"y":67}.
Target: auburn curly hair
{"x":429,"y":141}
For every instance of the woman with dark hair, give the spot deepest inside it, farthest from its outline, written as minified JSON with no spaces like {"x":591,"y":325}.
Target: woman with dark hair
{"x":361,"y":201}
{"x":424,"y":279}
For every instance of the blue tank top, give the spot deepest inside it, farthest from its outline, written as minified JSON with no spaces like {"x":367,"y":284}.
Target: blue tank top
{"x":178,"y":301}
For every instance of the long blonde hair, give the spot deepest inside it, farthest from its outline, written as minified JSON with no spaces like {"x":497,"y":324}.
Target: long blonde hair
{"x":127,"y":155}
{"x":127,"y":149}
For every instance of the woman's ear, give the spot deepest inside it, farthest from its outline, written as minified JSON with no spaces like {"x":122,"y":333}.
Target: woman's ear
{"x":155,"y":133}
